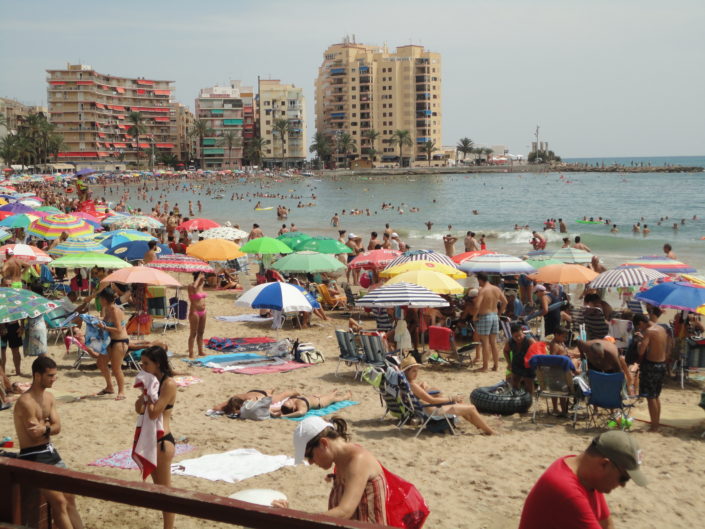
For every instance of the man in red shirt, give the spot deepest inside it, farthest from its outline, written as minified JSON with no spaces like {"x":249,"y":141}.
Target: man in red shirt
{"x":570,"y":494}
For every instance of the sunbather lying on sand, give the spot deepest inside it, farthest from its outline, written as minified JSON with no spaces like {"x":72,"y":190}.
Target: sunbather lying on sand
{"x":299,"y":405}
{"x":234,"y":403}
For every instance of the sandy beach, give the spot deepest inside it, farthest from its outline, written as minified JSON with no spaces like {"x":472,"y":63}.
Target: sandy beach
{"x":468,"y":480}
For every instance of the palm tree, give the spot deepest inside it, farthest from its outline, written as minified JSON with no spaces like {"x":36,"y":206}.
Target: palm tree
{"x":281,"y":127}
{"x":345,"y":146}
{"x":200,"y":130}
{"x":167,"y":158}
{"x":321,"y":146}
{"x":402,"y":138}
{"x":253,"y":150}
{"x":465,"y":146}
{"x":429,"y":148}
{"x":136,"y":130}
{"x":9,"y":149}
{"x":55,"y":145}
{"x":371,"y":135}
{"x":487,"y":152}
{"x":229,"y":139}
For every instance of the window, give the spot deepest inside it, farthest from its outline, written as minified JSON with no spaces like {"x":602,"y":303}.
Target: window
{"x":354,"y":132}
{"x":354,"y":106}
{"x":390,"y":114}
{"x":267,"y":122}
{"x":354,"y":115}
{"x":354,"y":97}
{"x":353,"y":123}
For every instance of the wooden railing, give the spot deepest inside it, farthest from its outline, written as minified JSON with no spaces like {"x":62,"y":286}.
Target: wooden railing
{"x":19,"y":481}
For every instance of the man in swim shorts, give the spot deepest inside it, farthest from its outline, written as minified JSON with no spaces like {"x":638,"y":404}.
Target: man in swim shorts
{"x":489,"y":301}
{"x":652,"y":340}
{"x":36,"y":420}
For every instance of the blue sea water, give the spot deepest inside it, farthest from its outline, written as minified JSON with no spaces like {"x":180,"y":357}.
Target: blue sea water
{"x":502,"y":200}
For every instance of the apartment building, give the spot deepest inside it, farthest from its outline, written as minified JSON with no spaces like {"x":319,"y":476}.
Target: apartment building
{"x":361,"y":88}
{"x":91,"y":109}
{"x":14,"y":112}
{"x":185,"y":143}
{"x":223,"y":110}
{"x":282,"y":104}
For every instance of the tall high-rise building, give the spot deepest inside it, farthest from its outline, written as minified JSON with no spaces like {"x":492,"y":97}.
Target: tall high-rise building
{"x":90,"y":110}
{"x":223,"y":110}
{"x":281,"y":104}
{"x":361,"y":88}
{"x":184,"y":140}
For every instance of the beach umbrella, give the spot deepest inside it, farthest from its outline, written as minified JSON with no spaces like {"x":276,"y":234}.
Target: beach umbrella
{"x":85,"y":172}
{"x":308,"y":262}
{"x":181,"y":263}
{"x":625,"y":276}
{"x":16,"y":207}
{"x":292,"y":238}
{"x":265,"y":245}
{"x":89,"y":260}
{"x":53,"y":225}
{"x":113,"y":218}
{"x":4,"y":235}
{"x":224,"y":232}
{"x":696,"y":279}
{"x":422,"y":255}
{"x":322,"y":245}
{"x":135,"y":222}
{"x":18,"y":304}
{"x":660,"y":263}
{"x":48,"y":209}
{"x":457,"y":259}
{"x":496,"y":264}
{"x":3,"y":201}
{"x":76,"y":245}
{"x":215,"y":250}
{"x":141,"y":274}
{"x":374,"y":259}
{"x":450,"y":271}
{"x":564,"y":274}
{"x":32,"y":202}
{"x":434,"y":281}
{"x":197,"y":224}
{"x":18,"y":220}
{"x":135,"y":250}
{"x":25,"y":252}
{"x":573,"y":255}
{"x":275,"y":296}
{"x":674,"y":295}
{"x":401,"y":294}
{"x":111,"y":239}
{"x":540,"y":263}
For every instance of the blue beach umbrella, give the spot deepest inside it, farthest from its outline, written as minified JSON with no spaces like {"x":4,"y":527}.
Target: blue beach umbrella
{"x":17,"y":208}
{"x":134,"y":250}
{"x":674,"y":295}
{"x":275,"y":296}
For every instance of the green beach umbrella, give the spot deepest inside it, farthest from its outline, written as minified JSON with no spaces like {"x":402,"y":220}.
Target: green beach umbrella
{"x":323,"y":245}
{"x":572,"y":256}
{"x":265,"y":245}
{"x":292,"y":238}
{"x":308,"y":262}
{"x":20,"y":220}
{"x":18,"y":304}
{"x":89,"y":260}
{"x":49,"y":209}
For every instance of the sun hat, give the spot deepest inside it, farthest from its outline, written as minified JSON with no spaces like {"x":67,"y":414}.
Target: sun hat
{"x":352,"y":236}
{"x":539,"y":288}
{"x":408,"y":362}
{"x":304,"y":432}
{"x":395,"y":234}
{"x":621,"y":448}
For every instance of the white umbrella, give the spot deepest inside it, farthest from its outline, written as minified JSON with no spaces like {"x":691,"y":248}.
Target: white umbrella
{"x":275,"y":296}
{"x":496,"y":263}
{"x":625,"y":276}
{"x":224,"y":232}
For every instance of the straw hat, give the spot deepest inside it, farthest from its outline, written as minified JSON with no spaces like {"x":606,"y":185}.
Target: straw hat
{"x":408,"y":362}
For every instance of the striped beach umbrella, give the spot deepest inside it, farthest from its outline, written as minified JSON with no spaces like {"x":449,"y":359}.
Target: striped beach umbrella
{"x":52,"y":226}
{"x":76,"y":245}
{"x":422,"y":255}
{"x":275,"y":296}
{"x":429,"y":266}
{"x":18,"y":220}
{"x":497,"y":264}
{"x":25,"y":252}
{"x":625,"y":276}
{"x":135,"y":222}
{"x":662,"y":264}
{"x":224,"y":232}
{"x":180,"y":263}
{"x":49,"y":209}
{"x":374,"y":259}
{"x":401,"y":294}
{"x":573,"y":255}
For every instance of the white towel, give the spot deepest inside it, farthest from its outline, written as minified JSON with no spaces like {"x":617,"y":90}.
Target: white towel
{"x":243,"y":317}
{"x":147,"y":431}
{"x":402,"y":337}
{"x":232,"y":466}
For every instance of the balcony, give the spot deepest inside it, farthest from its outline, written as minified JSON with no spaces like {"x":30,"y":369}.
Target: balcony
{"x":423,"y":106}
{"x":365,"y":79}
{"x":337,"y":115}
{"x":422,"y":139}
{"x":364,"y":69}
{"x":423,"y":78}
{"x":364,"y":124}
{"x":422,"y":97}
{"x":424,"y":123}
{"x":423,"y":87}
{"x":364,"y":115}
{"x":337,"y":71}
{"x":423,"y":113}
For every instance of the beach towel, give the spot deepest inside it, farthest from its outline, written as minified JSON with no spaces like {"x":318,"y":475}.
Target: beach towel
{"x":96,"y":338}
{"x":123,"y":459}
{"x":234,"y":344}
{"x":276,"y":367}
{"x":186,"y":381}
{"x":224,"y":360}
{"x":325,"y":411}
{"x":232,"y":466}
{"x":243,"y":317}
{"x":147,"y":430}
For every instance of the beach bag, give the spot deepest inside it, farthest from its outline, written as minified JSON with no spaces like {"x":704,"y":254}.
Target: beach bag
{"x":405,"y":506}
{"x":256,"y":410}
{"x":311,"y":356}
{"x":139,"y":324}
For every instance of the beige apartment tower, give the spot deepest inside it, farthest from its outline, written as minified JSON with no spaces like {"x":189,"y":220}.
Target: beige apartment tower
{"x":361,"y":88}
{"x":282,"y":103}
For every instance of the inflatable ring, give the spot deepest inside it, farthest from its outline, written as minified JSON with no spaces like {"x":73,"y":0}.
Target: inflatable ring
{"x":500,"y":399}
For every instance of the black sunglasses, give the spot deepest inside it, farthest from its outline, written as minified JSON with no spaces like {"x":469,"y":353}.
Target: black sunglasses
{"x":623,"y":476}
{"x":308,"y":453}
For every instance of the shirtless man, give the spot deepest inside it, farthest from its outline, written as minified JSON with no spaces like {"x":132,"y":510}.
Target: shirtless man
{"x":449,"y":243}
{"x":668,"y":250}
{"x":255,"y":233}
{"x":579,"y":245}
{"x":151,"y":254}
{"x":562,"y":228}
{"x":12,"y":270}
{"x":603,"y":355}
{"x":652,"y":342}
{"x":489,"y":301}
{"x":36,"y":420}
{"x":471,"y":244}
{"x":374,"y":241}
{"x":354,"y":243}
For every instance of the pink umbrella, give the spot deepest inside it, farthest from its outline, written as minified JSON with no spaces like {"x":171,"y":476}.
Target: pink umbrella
{"x":141,"y":274}
{"x":374,"y":259}
{"x":86,"y":216}
{"x":197,"y":224}
{"x":25,"y":252}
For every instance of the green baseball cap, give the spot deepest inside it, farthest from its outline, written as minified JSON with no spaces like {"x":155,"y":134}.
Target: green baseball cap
{"x":621,"y":448}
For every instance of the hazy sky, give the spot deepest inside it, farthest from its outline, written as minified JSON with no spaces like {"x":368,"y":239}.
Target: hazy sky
{"x":601,"y":77}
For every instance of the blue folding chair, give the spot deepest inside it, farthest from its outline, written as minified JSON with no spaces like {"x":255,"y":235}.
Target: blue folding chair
{"x":348,"y":354}
{"x":606,"y":395}
{"x":554,"y":374}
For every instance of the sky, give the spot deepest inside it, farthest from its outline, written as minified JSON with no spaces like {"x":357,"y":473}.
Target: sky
{"x":599,"y":77}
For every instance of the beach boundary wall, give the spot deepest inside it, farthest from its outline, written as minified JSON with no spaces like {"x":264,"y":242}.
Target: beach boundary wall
{"x":21,"y":505}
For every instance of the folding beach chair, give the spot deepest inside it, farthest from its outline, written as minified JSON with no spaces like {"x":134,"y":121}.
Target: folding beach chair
{"x":605,"y":402}
{"x":595,"y":324}
{"x":330,"y":302}
{"x":163,"y":312}
{"x":442,"y":340}
{"x":554,"y":374}
{"x":348,"y":354}
{"x":373,"y":349}
{"x":51,"y":288}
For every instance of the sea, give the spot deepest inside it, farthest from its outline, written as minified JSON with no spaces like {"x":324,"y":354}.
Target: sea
{"x":671,"y":204}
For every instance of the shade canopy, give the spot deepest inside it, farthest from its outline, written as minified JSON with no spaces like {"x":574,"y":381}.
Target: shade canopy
{"x":224,"y":232}
{"x":678,"y":295}
{"x":573,"y":255}
{"x":422,"y":255}
{"x":197,"y":224}
{"x":77,"y":245}
{"x":275,"y":296}
{"x":308,"y":262}
{"x":142,"y":274}
{"x":265,"y":245}
{"x":469,"y":255}
{"x":89,"y":260}
{"x":134,"y":222}
{"x":180,"y":263}
{"x":374,"y":259}
{"x":116,"y":238}
{"x":215,"y":250}
{"x":135,"y":250}
{"x":292,"y":238}
{"x":25,"y":252}
{"x":401,"y":294}
{"x":433,"y":281}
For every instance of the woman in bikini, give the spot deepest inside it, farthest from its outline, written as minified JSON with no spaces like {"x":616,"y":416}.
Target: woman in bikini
{"x":155,"y":361}
{"x":234,"y":403}
{"x":299,"y":405}
{"x":196,"y":313}
{"x":113,"y":321}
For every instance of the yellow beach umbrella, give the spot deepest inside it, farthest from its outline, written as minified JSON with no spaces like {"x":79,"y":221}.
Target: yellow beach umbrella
{"x":696,"y":280}
{"x":430,"y":266}
{"x":564,"y":274}
{"x":434,"y":281}
{"x":214,"y":250}
{"x":2,"y":201}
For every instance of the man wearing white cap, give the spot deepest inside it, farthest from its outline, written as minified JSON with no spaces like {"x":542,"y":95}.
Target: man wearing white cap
{"x":12,"y":270}
{"x":570,"y":494}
